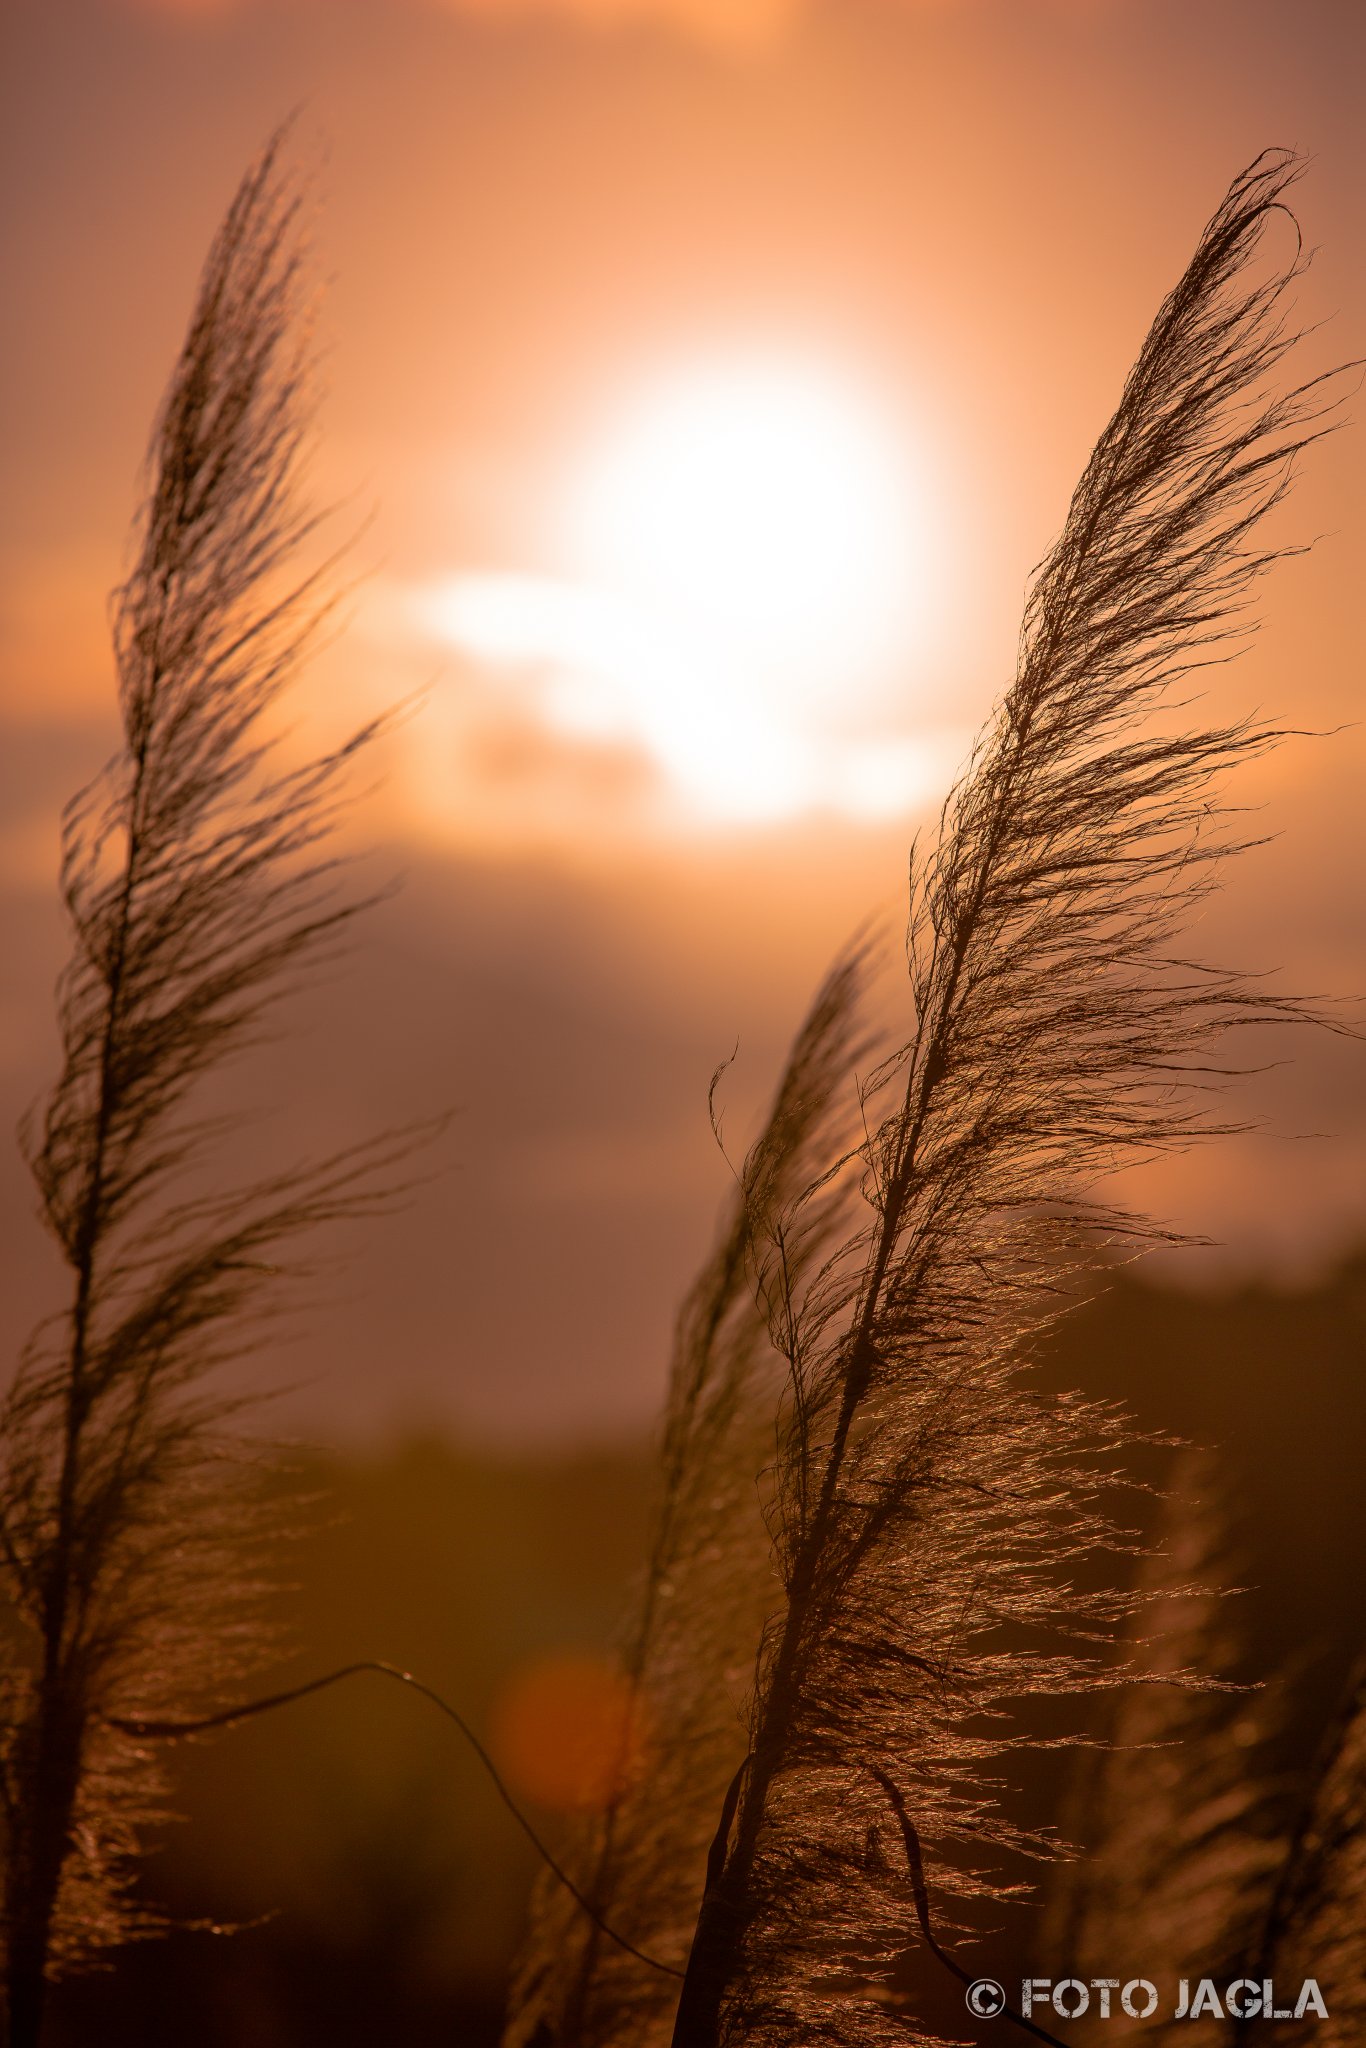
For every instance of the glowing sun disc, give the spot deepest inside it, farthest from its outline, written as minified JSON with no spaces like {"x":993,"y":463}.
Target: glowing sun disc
{"x":761,"y":503}
{"x":744,"y":590}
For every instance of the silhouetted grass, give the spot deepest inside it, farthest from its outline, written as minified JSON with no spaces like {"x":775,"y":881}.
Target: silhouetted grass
{"x":199,"y":886}
{"x":1179,"y":1805}
{"x":928,"y":1506}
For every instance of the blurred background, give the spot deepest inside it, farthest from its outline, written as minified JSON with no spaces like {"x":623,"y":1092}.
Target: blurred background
{"x":703,"y":378}
{"x":376,"y":1883}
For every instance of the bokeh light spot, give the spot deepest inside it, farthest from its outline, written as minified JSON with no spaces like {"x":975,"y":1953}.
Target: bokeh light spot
{"x":566,"y":1730}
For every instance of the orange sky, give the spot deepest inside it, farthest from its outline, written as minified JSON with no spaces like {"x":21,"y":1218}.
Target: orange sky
{"x":529,"y":210}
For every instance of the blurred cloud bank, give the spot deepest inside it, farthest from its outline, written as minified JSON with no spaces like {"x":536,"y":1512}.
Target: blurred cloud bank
{"x":728,"y":23}
{"x":736,"y":25}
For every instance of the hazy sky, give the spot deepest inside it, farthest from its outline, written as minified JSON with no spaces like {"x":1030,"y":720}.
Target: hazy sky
{"x":580,"y":257}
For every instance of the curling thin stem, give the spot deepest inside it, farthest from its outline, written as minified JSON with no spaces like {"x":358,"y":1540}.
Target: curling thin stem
{"x":227,"y":1717}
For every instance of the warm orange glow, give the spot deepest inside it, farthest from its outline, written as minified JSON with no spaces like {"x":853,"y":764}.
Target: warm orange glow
{"x":749,"y":563}
{"x":728,"y":23}
{"x":566,"y":1730}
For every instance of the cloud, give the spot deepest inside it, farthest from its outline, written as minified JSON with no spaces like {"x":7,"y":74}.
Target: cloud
{"x":590,"y":670}
{"x":737,"y":25}
{"x":734,"y":23}
{"x":189,"y":10}
{"x":724,"y":24}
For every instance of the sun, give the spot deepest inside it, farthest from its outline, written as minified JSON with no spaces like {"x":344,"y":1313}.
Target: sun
{"x":745,"y":572}
{"x":759,"y":503}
